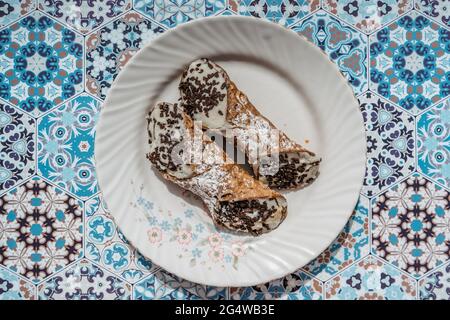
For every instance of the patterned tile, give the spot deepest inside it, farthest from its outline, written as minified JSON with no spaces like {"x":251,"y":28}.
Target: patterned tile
{"x":84,"y":15}
{"x":433,"y":143}
{"x":17,"y":146}
{"x":436,"y":9}
{"x":165,"y":286}
{"x":390,"y":134}
{"x":107,"y":246}
{"x":436,"y":286}
{"x":345,"y":46}
{"x":409,"y":62}
{"x":295,"y":286}
{"x":410,"y":225}
{"x":371,"y":279}
{"x":84,"y":281}
{"x":40,"y":229}
{"x":12,"y":287}
{"x":173,"y":12}
{"x":12,"y":10}
{"x":351,"y":245}
{"x":110,"y":48}
{"x":285,"y":12}
{"x":41,"y":63}
{"x":367,"y":15}
{"x":66,"y":145}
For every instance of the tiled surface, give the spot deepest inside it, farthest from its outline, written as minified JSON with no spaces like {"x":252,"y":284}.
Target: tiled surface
{"x":58,"y":60}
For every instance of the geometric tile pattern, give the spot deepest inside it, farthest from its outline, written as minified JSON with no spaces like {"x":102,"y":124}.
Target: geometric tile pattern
{"x":390,"y":143}
{"x":17,"y":146}
{"x":284,"y":12}
{"x":105,"y":244}
{"x":40,"y":229}
{"x":84,"y":16}
{"x":58,"y":59}
{"x":409,"y":62}
{"x":170,"y":13}
{"x":41,"y":63}
{"x":410,"y":225}
{"x":111,"y":47}
{"x":433,"y":143}
{"x":66,"y":145}
{"x":367,"y":15}
{"x":84,"y":281}
{"x":346,"y":47}
{"x":371,"y":279}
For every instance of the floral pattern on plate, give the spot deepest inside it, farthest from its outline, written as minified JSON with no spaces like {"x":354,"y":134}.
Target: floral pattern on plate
{"x":84,"y":15}
{"x":17,"y":146}
{"x":371,"y":279}
{"x":410,"y":225}
{"x":344,"y":46}
{"x":367,"y":15}
{"x":390,"y":134}
{"x":351,"y":245}
{"x":111,"y":47}
{"x":66,"y":145}
{"x":107,"y":246}
{"x":84,"y":281}
{"x":433,"y":143}
{"x":40,"y":229}
{"x":41,"y":63}
{"x":409,"y":62}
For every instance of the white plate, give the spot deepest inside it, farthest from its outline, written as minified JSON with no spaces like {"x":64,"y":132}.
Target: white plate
{"x":291,"y":82}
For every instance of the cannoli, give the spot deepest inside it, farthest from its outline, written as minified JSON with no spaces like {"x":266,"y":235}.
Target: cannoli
{"x":208,"y":95}
{"x":186,"y":156}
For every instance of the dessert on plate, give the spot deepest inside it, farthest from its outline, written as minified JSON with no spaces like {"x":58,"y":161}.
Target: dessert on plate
{"x":186,"y":156}
{"x":210,"y":96}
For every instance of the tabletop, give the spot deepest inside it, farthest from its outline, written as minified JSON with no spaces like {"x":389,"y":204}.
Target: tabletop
{"x":58,"y":60}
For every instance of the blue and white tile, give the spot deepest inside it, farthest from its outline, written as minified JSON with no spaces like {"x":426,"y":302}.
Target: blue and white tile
{"x":84,"y":281}
{"x":409,"y":62}
{"x":433,"y":143}
{"x":171,"y":13}
{"x":390,"y":134}
{"x":436,"y":285}
{"x":41,"y":63}
{"x":13,"y":287}
{"x":12,"y":10}
{"x":40,"y":229}
{"x":371,"y":279}
{"x":84,"y":16}
{"x":17,"y":146}
{"x":295,"y":286}
{"x":165,"y":286}
{"x":284,"y":12}
{"x":368,"y":15}
{"x":345,"y":46}
{"x":111,"y":47}
{"x":66,"y":145}
{"x":350,"y":245}
{"x":439,"y":10}
{"x":410,"y":225}
{"x":108,"y":247}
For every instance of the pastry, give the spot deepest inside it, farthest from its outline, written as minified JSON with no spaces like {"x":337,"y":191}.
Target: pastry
{"x":208,"y":95}
{"x":186,"y":156}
